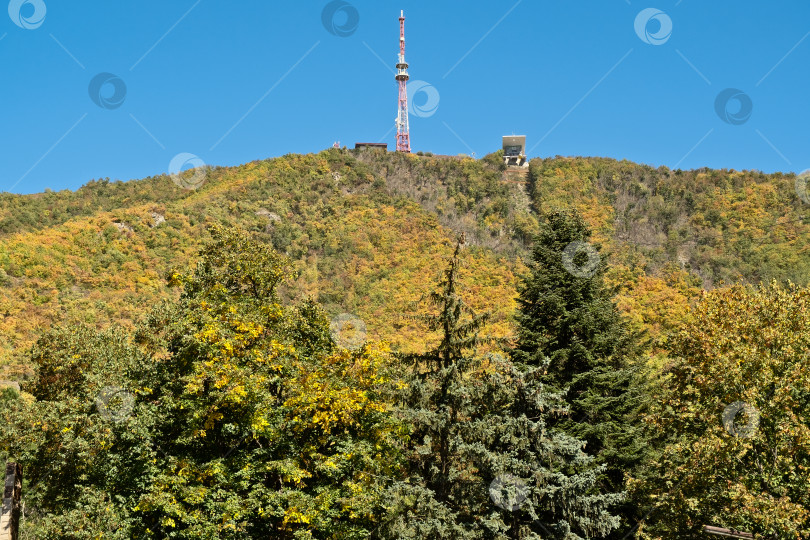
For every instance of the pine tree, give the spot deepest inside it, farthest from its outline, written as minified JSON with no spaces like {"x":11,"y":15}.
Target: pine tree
{"x":570,"y":328}
{"x":481,"y":463}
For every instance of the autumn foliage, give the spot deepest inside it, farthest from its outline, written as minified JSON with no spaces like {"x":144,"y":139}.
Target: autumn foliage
{"x":180,"y":377}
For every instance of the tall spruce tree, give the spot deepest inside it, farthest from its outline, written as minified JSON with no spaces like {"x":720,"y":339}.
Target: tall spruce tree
{"x":481,"y":463}
{"x":570,"y":328}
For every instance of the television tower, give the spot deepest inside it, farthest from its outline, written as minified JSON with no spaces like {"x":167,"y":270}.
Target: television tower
{"x":403,"y":132}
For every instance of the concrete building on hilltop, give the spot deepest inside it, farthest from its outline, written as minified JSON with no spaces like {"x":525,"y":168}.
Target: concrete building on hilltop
{"x":371,"y":145}
{"x":514,"y":151}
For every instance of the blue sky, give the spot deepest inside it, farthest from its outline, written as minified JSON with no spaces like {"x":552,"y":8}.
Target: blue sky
{"x":234,"y":82}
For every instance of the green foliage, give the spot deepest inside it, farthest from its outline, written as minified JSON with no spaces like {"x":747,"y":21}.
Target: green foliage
{"x":342,"y":217}
{"x":246,"y":336}
{"x":234,"y":416}
{"x":732,"y":417}
{"x":481,"y":463}
{"x":571,"y":331}
{"x":445,"y":494}
{"x":722,"y":225}
{"x":340,"y":223}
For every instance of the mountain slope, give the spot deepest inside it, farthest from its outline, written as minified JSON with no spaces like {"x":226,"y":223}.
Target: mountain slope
{"x":367,"y":232}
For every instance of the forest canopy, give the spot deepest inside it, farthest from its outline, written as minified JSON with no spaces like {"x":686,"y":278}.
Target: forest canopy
{"x":364,"y":345}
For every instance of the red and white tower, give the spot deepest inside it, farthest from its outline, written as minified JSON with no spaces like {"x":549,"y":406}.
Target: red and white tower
{"x":403,"y":132}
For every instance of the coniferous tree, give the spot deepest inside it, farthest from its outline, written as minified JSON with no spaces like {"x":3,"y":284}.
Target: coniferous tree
{"x":570,"y":328}
{"x":481,"y":462}
{"x":445,"y":491}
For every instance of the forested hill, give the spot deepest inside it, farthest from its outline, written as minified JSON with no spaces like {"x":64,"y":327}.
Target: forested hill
{"x":367,"y":233}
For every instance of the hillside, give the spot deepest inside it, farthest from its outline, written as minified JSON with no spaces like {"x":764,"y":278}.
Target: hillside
{"x":367,"y":233}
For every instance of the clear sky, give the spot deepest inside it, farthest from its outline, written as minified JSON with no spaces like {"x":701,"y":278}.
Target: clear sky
{"x":232,"y":82}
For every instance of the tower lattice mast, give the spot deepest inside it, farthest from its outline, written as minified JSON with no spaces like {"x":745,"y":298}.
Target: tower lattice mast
{"x":403,"y":131}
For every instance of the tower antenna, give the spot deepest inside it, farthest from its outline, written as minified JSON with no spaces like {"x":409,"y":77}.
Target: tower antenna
{"x":403,"y":131}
